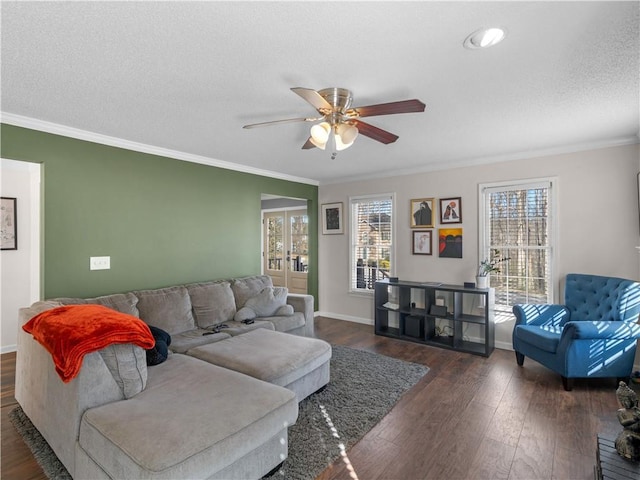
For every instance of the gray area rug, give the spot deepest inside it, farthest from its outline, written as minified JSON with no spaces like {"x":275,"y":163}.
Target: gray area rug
{"x":364,"y":387}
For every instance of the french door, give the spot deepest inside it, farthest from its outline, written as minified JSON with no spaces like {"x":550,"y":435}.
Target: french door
{"x":286,"y":248}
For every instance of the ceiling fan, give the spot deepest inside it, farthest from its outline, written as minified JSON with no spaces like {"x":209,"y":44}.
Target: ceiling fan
{"x":340,"y":123}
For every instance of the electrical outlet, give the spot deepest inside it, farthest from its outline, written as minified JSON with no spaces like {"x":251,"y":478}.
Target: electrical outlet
{"x":99,"y":263}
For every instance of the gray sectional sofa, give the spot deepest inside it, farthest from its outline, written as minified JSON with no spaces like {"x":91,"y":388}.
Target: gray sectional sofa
{"x":218,"y":407}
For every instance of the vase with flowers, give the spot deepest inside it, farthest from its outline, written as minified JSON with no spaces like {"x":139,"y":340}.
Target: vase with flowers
{"x":488,"y":266}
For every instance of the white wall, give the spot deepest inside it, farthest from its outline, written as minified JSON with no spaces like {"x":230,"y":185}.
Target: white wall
{"x":19,"y":279}
{"x":597,"y":203}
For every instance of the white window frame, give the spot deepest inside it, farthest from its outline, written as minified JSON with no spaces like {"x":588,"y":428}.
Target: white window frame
{"x":353,"y":237}
{"x":552,"y":221}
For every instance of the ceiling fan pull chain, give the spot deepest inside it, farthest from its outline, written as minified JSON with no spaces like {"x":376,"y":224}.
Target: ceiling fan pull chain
{"x":332,"y":140}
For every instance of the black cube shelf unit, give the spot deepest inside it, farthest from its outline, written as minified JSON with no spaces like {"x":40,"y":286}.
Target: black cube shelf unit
{"x":447,"y":316}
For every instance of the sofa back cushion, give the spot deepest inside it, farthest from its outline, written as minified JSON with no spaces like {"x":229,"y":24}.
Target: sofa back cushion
{"x":120,"y":302}
{"x":246,"y":287}
{"x":128,"y":366}
{"x":166,"y":308}
{"x":598,"y":298}
{"x":213,"y":303}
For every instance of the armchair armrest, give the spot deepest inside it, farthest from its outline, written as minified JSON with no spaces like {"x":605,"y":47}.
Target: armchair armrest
{"x":303,"y":303}
{"x":541,"y":314}
{"x":586,"y":329}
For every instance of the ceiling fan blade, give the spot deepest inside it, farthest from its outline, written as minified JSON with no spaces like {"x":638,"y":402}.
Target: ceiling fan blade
{"x":308,"y":145}
{"x":374,"y":132}
{"x":314,"y":98}
{"x":286,"y":120}
{"x":403,"y":106}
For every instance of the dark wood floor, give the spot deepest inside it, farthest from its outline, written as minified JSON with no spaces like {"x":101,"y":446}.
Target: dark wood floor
{"x":469,"y":418}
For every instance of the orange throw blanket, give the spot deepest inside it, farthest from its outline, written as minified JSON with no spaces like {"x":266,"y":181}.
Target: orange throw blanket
{"x":70,"y":332}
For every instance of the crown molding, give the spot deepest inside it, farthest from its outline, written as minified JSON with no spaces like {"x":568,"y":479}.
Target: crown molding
{"x":507,"y":157}
{"x":65,"y":131}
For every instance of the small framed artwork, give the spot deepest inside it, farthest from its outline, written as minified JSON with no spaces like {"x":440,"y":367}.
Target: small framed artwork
{"x":451,"y":210}
{"x":450,"y":243}
{"x":9,"y":227}
{"x":421,"y":244}
{"x":332,"y":218}
{"x":422,"y":212}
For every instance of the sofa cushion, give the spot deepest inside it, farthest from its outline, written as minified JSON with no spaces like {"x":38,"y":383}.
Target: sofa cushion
{"x":238,"y":328}
{"x":215,"y":422}
{"x":546,"y":338}
{"x":166,"y":308}
{"x":121,"y":302}
{"x":39,"y":307}
{"x":128,"y":367}
{"x":271,"y":356}
{"x":246,"y":287}
{"x":182,"y":342}
{"x":213,"y":303}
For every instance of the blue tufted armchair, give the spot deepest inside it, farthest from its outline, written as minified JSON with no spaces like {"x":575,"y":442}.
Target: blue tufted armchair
{"x":592,"y":335}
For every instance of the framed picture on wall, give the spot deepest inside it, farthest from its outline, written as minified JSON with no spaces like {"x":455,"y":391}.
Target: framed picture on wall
{"x":450,"y":243}
{"x":422,"y":212}
{"x":451,"y":210}
{"x":9,"y":227}
{"x":422,"y":243}
{"x":332,"y":218}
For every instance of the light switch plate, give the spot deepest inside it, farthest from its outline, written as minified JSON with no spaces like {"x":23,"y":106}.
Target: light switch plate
{"x":99,"y":263}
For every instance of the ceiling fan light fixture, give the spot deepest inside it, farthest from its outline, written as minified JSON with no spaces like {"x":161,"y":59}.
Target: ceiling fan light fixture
{"x":345,"y":136}
{"x":485,"y":38}
{"x":320,"y":134}
{"x":348,"y":133}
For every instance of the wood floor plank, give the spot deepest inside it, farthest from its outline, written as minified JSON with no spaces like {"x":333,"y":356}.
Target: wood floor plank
{"x":492,"y":460}
{"x":569,"y":464}
{"x":469,"y":418}
{"x":530,"y":465}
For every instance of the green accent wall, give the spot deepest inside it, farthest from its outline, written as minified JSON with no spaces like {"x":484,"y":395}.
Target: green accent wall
{"x":162,"y":221}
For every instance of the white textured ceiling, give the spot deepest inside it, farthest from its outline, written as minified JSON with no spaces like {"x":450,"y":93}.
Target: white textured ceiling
{"x":187,"y":76}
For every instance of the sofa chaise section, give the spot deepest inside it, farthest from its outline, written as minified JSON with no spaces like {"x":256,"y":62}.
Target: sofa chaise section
{"x":298,"y":363}
{"x":222,"y":425}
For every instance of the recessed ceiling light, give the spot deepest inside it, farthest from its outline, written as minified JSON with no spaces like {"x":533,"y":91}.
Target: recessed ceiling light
{"x":485,"y":38}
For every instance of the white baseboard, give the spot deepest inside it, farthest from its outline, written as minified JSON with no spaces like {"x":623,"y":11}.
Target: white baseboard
{"x":346,"y":318}
{"x":8,"y":348}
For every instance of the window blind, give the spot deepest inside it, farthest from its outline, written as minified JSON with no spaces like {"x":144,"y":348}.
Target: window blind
{"x":371,"y":222}
{"x":517,"y":225}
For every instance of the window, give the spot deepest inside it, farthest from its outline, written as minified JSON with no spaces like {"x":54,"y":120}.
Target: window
{"x":517,"y":221}
{"x":371,"y":222}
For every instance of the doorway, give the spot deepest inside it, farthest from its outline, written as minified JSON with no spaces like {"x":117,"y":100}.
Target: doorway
{"x":21,"y":281}
{"x":286,"y":247}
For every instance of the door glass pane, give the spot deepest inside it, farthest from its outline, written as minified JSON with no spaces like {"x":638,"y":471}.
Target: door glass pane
{"x":299,"y":242}
{"x":275,"y":243}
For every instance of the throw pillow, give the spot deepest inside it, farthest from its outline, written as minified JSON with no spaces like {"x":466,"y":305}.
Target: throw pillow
{"x":266,"y":304}
{"x":160,"y":350}
{"x":284,"y":311}
{"x":245,"y":313}
{"x":246,"y":287}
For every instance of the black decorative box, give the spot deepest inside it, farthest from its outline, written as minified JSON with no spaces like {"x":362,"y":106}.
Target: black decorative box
{"x":413,"y":326}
